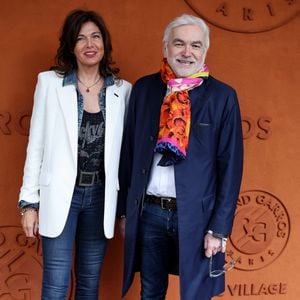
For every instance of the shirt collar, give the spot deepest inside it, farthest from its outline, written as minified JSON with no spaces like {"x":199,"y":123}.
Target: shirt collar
{"x":71,"y":78}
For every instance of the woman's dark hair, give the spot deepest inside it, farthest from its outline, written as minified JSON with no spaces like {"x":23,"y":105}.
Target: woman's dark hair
{"x":65,"y":58}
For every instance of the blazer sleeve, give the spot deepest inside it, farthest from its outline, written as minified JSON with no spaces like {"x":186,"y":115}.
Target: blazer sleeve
{"x":30,"y":187}
{"x":125,"y":168}
{"x":229,"y":167}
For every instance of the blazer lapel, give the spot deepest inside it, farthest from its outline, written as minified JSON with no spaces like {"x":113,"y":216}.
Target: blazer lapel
{"x":157,"y":96}
{"x":112,"y":122}
{"x":199,"y":98}
{"x":68,"y":102}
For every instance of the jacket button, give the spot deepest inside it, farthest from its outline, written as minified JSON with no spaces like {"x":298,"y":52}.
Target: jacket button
{"x":144,"y":171}
{"x":151,"y":138}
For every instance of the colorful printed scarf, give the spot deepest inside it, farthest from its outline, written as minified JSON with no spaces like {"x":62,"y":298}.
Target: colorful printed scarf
{"x":175,"y":114}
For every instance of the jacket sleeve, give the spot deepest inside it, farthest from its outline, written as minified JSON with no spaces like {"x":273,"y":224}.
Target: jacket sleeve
{"x":229,"y":167}
{"x":126,"y":159}
{"x":30,"y":187}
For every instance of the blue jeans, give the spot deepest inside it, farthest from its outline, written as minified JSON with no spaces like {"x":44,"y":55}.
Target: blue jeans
{"x":158,"y":247}
{"x":84,"y":226}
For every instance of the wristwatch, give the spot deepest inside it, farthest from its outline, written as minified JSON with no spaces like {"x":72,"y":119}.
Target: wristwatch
{"x":220,"y":236}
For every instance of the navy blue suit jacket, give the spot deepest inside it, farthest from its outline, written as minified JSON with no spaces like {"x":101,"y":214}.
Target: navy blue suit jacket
{"x":207,"y":181}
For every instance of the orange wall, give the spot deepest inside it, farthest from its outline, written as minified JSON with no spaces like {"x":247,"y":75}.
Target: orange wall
{"x":264,"y":68}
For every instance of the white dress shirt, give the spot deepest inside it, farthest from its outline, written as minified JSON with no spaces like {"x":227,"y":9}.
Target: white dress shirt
{"x":162,"y":179}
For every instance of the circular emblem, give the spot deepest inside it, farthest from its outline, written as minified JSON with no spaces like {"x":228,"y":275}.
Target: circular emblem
{"x":20,"y":265}
{"x":246,"y":15}
{"x":261,"y":230}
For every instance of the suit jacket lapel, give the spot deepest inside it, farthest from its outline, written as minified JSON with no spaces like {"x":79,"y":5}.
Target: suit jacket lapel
{"x":112,"y":123}
{"x":156,"y":98}
{"x":199,"y":97}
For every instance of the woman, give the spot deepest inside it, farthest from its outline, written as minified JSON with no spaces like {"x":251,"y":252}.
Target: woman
{"x":70,"y":182}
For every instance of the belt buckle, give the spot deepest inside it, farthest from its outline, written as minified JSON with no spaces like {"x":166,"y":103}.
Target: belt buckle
{"x":164,"y":201}
{"x":82,"y":182}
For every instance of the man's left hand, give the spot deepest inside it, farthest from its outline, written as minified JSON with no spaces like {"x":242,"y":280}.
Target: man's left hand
{"x":213,"y":245}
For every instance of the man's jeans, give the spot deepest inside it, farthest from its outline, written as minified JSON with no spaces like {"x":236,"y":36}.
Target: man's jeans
{"x":84,"y":226}
{"x":158,"y":241}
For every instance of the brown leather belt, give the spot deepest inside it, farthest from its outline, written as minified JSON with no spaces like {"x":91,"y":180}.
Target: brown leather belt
{"x":168,"y":203}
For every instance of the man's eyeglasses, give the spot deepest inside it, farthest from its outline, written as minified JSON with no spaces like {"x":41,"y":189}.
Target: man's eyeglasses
{"x":230,"y":263}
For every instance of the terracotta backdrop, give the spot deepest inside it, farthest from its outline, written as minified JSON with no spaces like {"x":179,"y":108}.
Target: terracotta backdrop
{"x":254,"y":47}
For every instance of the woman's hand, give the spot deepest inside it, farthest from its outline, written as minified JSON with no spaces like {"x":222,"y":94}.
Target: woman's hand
{"x":30,"y":222}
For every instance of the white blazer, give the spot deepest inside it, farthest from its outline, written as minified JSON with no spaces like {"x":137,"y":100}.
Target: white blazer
{"x":51,"y":162}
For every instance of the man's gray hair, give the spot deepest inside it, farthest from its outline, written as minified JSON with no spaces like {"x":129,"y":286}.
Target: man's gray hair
{"x":187,"y":20}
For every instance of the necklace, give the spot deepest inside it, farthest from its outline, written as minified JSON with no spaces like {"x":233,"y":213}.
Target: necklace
{"x":88,"y":87}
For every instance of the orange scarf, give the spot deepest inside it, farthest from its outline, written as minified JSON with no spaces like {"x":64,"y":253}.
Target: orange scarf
{"x":175,"y":114}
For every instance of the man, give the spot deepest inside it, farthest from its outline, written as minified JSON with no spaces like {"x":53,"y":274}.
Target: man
{"x":180,"y":170}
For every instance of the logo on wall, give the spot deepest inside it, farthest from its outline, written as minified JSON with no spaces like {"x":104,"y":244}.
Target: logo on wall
{"x":19,"y":122}
{"x":259,"y":128}
{"x":261,"y":230}
{"x":20,"y":264}
{"x":246,"y":15}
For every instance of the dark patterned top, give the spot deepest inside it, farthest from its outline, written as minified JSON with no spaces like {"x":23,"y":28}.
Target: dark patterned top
{"x":91,"y":143}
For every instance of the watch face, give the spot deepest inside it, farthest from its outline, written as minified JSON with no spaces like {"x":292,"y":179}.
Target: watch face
{"x":246,"y":15}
